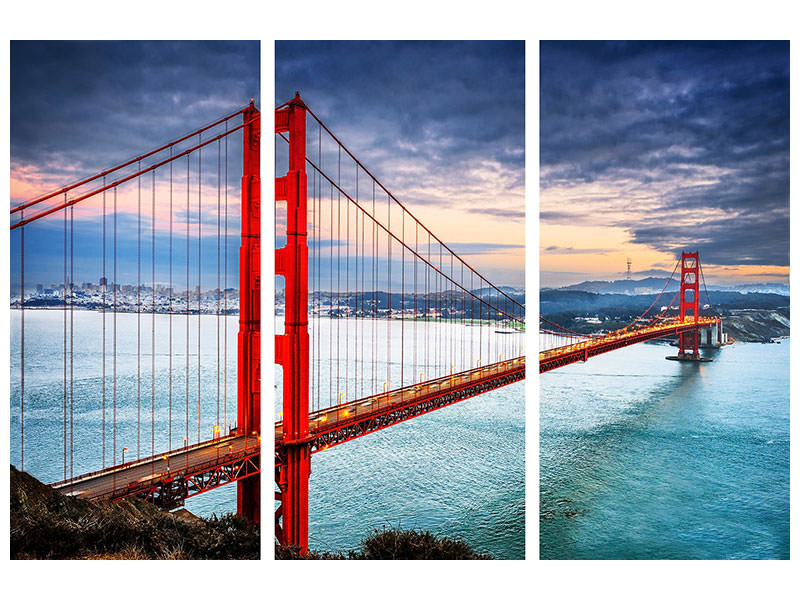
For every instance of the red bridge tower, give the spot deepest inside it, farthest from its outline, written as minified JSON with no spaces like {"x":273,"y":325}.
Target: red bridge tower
{"x":690,"y":283}
{"x":248,"y":498}
{"x":291,"y":349}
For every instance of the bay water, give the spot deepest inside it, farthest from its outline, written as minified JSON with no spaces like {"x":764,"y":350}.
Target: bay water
{"x":644,"y":458}
{"x":459,"y":471}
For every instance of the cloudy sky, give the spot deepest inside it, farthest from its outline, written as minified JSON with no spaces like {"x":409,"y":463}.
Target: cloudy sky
{"x":79,"y":107}
{"x":440,"y":124}
{"x":648,"y":148}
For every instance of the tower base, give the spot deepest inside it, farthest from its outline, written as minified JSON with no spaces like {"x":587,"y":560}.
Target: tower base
{"x":688,"y":358}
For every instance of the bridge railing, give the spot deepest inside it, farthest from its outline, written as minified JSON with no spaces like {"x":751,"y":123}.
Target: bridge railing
{"x":668,"y":326}
{"x":355,"y":410}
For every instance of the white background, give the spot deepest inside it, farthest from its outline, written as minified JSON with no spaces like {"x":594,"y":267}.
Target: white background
{"x":405,"y":19}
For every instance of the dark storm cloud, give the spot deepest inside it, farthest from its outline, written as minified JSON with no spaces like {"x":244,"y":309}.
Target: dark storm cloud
{"x":80,"y":107}
{"x":701,"y":127}
{"x":441,"y":108}
{"x":91,"y":104}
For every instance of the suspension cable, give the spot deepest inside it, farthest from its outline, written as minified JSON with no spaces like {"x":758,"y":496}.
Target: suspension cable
{"x":128,"y":163}
{"x":391,"y":197}
{"x":657,"y":297}
{"x":127,"y":178}
{"x":380,"y":225}
{"x":402,"y":206}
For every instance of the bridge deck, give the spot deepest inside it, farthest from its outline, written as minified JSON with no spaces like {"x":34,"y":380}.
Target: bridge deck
{"x":176,"y":469}
{"x":332,"y":426}
{"x":582,"y":351}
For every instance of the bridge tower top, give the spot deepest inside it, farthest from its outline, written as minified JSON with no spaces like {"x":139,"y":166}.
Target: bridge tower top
{"x":690,"y":282}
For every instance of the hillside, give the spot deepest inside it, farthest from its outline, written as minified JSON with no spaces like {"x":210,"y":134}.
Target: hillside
{"x":394,"y":544}
{"x":556,"y":301}
{"x":46,"y":524}
{"x":650,"y":285}
{"x":747,"y":317}
{"x":756,"y":325}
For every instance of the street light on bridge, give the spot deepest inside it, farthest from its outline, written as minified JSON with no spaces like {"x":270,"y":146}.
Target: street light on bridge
{"x":124,"y":450}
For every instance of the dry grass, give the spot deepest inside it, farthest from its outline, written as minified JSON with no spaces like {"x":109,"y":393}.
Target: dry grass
{"x":45,"y":524}
{"x":394,"y":544}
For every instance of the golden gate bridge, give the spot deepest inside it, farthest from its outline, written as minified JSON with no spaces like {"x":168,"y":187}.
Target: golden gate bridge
{"x":403,"y":299}
{"x":368,"y":284}
{"x":570,"y":346}
{"x":165,"y":196}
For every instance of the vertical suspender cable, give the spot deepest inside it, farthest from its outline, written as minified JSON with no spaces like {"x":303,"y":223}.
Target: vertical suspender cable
{"x":374,"y":298}
{"x":311,"y":211}
{"x":439,"y":315}
{"x":153,"y":326}
{"x":71,"y":336}
{"x":169,"y":302}
{"x":402,"y":297}
{"x":428,"y":324}
{"x":330,"y":313}
{"x":354,"y":375}
{"x":139,"y":320}
{"x":104,"y":285}
{"x":347,"y":302}
{"x":416,"y":315}
{"x":225,"y":301}
{"x":472,"y":323}
{"x":318,"y":225}
{"x":114,"y":344}
{"x":65,"y":339}
{"x":389,"y":292}
{"x":440,"y":324}
{"x":199,"y":266}
{"x":311,"y":221}
{"x":347,"y":373}
{"x":318,"y":286}
{"x":22,"y":348}
{"x":463,"y":321}
{"x":363,"y":297}
{"x":480,"y":327}
{"x":188,"y":288}
{"x":338,"y":269}
{"x":219,"y":233}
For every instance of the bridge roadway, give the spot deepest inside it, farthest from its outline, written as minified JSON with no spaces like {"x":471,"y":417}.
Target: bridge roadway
{"x":338,"y":424}
{"x":189,"y":470}
{"x":582,"y":351}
